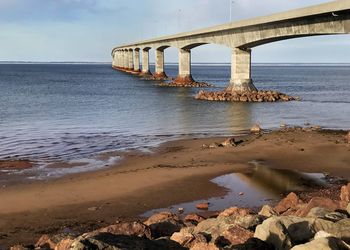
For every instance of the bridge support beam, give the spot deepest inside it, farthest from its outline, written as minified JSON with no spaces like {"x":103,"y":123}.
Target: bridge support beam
{"x":145,"y":63}
{"x":160,"y":74}
{"x":184,"y":76}
{"x":241,"y":80}
{"x":137,"y":60}
{"x":131,"y":60}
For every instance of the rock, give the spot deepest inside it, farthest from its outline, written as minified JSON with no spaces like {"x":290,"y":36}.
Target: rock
{"x":285,"y":231}
{"x":181,"y":210}
{"x":125,"y":228}
{"x":51,"y":241}
{"x":235,"y":211}
{"x":267,"y":211}
{"x":253,"y":244}
{"x":230,"y":142}
{"x":236,"y":235}
{"x":255,"y":129}
{"x":202,"y":206}
{"x":204,"y":246}
{"x":194,"y":218}
{"x":213,"y":145}
{"x":107,"y":241}
{"x":187,"y":239}
{"x":329,"y":243}
{"x":20,"y":247}
{"x":345,"y":193}
{"x":348,"y":208}
{"x":164,"y":224}
{"x":318,"y":212}
{"x":335,"y":216}
{"x":322,"y":234}
{"x":64,"y":244}
{"x":318,"y":202}
{"x":291,"y":200}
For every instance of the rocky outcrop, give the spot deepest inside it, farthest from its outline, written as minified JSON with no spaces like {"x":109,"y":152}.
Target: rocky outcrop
{"x":292,"y":224}
{"x":252,"y":96}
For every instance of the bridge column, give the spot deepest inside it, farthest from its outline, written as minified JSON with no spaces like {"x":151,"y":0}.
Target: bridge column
{"x":160,"y":74}
{"x":145,"y":62}
{"x":184,"y":76}
{"x":131,"y":59}
{"x":241,"y":80}
{"x":137,"y":60}
{"x":125,"y":60}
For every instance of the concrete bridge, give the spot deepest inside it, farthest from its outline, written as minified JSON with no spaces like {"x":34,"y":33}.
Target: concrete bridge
{"x":325,"y":19}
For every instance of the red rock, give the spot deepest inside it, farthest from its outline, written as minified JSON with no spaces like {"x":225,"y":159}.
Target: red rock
{"x":290,"y":201}
{"x":45,"y":241}
{"x":235,"y":211}
{"x":64,"y":244}
{"x":204,"y":246}
{"x":318,"y":202}
{"x":164,"y":224}
{"x":237,"y":235}
{"x":345,"y":193}
{"x":203,"y":206}
{"x":194,"y":217}
{"x":125,"y":228}
{"x":187,"y":239}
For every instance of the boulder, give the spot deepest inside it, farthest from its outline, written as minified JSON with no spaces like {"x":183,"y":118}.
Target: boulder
{"x":64,"y":244}
{"x":253,"y":244}
{"x":187,"y":238}
{"x":318,"y":202}
{"x":267,"y":211}
{"x":50,"y":241}
{"x":193,"y":219}
{"x":235,"y":211}
{"x":290,"y":201}
{"x":336,"y":216}
{"x":236,"y":235}
{"x":107,"y":241}
{"x":204,"y":246}
{"x":345,"y":193}
{"x":348,"y":208}
{"x":164,"y":224}
{"x":285,"y":231}
{"x":125,"y":228}
{"x":329,"y":243}
{"x":318,"y":212}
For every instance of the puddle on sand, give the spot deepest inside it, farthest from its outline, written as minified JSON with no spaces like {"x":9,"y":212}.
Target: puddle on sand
{"x":257,"y":186}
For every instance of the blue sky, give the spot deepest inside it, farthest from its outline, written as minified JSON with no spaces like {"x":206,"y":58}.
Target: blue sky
{"x":86,"y":30}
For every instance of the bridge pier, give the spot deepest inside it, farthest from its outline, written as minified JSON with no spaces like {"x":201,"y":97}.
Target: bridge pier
{"x":241,"y":80}
{"x":145,"y":63}
{"x":130,"y":60}
{"x":184,"y":76}
{"x":137,"y":60}
{"x":160,"y":74}
{"x":125,"y":60}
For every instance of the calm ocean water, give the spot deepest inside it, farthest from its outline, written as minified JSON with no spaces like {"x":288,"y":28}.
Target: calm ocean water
{"x":73,"y":112}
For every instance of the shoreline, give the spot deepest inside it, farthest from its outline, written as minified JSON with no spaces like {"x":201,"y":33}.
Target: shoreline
{"x":179,"y":171}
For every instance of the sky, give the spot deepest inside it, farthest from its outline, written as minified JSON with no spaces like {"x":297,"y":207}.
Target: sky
{"x":87,"y":30}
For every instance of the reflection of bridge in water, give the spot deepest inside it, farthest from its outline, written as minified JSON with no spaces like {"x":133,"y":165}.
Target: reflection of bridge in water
{"x":325,"y":19}
{"x":280,"y":180}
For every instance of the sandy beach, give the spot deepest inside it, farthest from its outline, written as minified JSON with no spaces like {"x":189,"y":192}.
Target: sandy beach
{"x":176,"y":172}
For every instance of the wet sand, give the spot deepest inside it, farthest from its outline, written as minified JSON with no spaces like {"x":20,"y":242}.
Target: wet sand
{"x":178,"y":171}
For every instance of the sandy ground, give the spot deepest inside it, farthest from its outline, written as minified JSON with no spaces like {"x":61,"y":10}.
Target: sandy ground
{"x":177,"y":172}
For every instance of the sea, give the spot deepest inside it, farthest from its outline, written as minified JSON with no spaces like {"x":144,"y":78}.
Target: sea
{"x":74,"y":112}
